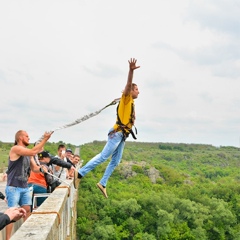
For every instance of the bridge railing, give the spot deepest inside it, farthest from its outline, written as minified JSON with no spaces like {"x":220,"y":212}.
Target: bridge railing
{"x":55,"y":219}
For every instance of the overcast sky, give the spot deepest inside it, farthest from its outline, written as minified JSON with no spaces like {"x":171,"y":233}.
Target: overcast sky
{"x":63,"y":59}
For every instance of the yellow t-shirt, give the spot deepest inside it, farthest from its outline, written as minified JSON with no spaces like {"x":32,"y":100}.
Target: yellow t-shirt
{"x":126,"y":112}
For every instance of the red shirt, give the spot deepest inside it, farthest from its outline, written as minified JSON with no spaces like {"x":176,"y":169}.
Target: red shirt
{"x":37,"y":178}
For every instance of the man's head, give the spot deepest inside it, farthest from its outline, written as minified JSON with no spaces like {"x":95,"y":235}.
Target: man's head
{"x":21,"y":137}
{"x":134,"y":91}
{"x":76,"y":159}
{"x":44,"y":157}
{"x":61,"y":148}
{"x":69,"y":153}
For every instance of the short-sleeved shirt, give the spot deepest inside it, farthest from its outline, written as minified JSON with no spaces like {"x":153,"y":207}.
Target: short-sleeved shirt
{"x":126,"y":111}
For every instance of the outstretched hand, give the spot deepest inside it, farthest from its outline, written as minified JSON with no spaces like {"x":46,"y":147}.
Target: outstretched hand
{"x":47,"y":135}
{"x":15,"y":213}
{"x":132,"y":64}
{"x":43,"y":169}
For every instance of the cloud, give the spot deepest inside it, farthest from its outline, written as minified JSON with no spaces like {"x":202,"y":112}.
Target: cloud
{"x":219,"y":15}
{"x":61,"y":60}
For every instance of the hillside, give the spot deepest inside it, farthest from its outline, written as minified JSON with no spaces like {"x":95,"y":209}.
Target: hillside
{"x":159,"y":191}
{"x":163,"y":191}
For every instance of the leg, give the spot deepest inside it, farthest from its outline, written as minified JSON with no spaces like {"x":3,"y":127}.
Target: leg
{"x":116,"y":158}
{"x":112,"y":144}
{"x":40,"y":189}
{"x":26,"y":200}
{"x":28,"y":210}
{"x":9,"y":228}
{"x":13,"y":196}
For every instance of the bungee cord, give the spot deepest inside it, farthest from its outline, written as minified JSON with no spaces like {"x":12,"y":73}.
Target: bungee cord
{"x":84,"y":118}
{"x":77,"y":121}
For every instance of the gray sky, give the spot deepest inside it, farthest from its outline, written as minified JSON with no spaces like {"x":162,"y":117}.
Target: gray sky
{"x":63,"y":59}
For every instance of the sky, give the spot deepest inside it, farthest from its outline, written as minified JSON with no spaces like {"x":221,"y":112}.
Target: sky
{"x":63,"y":59}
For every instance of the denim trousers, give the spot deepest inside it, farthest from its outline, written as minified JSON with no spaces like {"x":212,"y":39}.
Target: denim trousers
{"x":38,"y":189}
{"x":17,"y":196}
{"x":114,"y":147}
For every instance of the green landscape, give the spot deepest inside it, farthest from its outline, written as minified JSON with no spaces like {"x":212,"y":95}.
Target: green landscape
{"x":159,"y":191}
{"x":163,"y":191}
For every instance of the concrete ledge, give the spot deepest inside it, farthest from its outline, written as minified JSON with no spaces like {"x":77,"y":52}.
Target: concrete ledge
{"x":55,"y":219}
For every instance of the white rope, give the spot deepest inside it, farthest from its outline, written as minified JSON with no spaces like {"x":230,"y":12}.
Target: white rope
{"x":84,"y":118}
{"x":59,"y":179}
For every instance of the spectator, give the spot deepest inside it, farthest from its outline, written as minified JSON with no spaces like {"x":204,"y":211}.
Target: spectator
{"x":2,"y":196}
{"x":57,"y":161}
{"x":41,"y":182}
{"x":12,"y":214}
{"x":69,"y":155}
{"x":75,"y":161}
{"x":19,"y":163}
{"x":4,"y":177}
{"x":58,"y":171}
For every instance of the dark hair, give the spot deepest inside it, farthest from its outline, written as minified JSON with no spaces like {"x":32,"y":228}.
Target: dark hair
{"x":133,"y":85}
{"x":61,"y":146}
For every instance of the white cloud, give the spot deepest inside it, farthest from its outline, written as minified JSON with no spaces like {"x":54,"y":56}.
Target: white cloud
{"x":63,"y":59}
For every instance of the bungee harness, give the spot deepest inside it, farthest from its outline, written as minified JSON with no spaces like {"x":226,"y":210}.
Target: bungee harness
{"x":124,"y":128}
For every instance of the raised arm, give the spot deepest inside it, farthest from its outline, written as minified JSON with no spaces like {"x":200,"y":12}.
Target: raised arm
{"x":132,"y":67}
{"x":17,"y":151}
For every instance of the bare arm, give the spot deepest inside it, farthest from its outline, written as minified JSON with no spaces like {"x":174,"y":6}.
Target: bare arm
{"x":17,"y":151}
{"x":132,"y":67}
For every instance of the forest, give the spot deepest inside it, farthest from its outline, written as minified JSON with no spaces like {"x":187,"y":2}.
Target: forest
{"x":162,"y":191}
{"x":159,"y":191}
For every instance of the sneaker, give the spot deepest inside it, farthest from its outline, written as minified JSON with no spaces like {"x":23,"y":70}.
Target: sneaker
{"x":104,"y":190}
{"x":76,"y":180}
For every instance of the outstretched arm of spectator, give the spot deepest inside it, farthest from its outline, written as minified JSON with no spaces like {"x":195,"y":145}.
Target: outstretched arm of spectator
{"x":11,"y":215}
{"x":4,"y":220}
{"x":59,"y":162}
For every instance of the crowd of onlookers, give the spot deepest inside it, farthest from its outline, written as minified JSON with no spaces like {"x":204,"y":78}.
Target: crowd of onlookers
{"x":31,"y":172}
{"x":59,"y":168}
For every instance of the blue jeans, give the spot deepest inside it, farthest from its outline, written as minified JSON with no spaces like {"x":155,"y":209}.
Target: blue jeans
{"x":114,"y":147}
{"x":38,"y":189}
{"x":17,"y":196}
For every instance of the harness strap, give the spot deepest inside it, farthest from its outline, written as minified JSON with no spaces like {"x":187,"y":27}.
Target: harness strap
{"x":126,"y":131}
{"x":124,"y":128}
